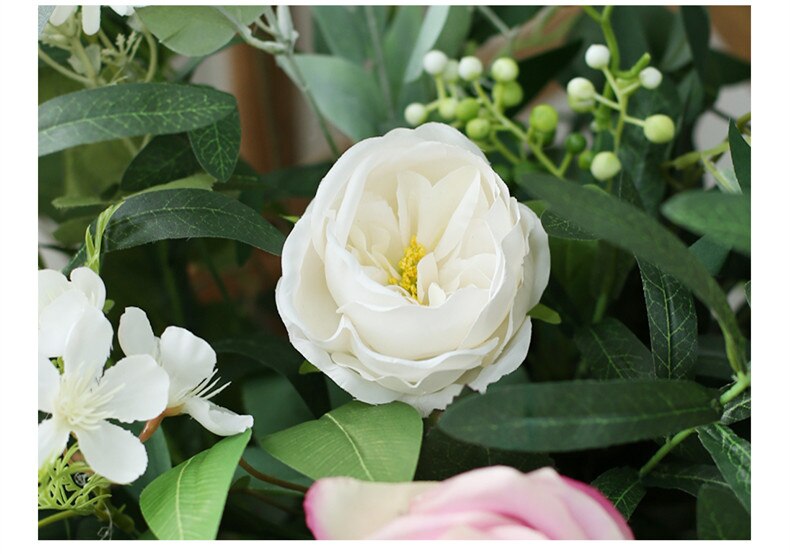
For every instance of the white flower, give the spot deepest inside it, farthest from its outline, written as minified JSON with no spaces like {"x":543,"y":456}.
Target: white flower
{"x":581,"y":89}
{"x":91,"y":16}
{"x":190,"y":363}
{"x":597,"y":56}
{"x":84,"y":397}
{"x":434,"y":62}
{"x":412,"y":271}
{"x":61,"y":303}
{"x":650,"y":77}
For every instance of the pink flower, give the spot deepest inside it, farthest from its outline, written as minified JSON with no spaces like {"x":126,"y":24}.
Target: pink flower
{"x":488,"y":503}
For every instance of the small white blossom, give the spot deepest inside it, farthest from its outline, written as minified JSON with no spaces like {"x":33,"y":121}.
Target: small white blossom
{"x":597,"y":56}
{"x":434,"y":62}
{"x":470,"y":68}
{"x":650,"y":77}
{"x":415,"y":114}
{"x":581,"y":89}
{"x":91,"y":16}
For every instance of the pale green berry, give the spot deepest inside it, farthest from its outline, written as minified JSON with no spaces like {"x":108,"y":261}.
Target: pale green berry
{"x":659,"y":129}
{"x":450,"y":74}
{"x":434,"y":62}
{"x":470,"y":68}
{"x":415,"y":114}
{"x":447,"y":108}
{"x":581,"y":106}
{"x":544,"y":118}
{"x":597,"y":56}
{"x":585,"y":160}
{"x":478,"y":128}
{"x":605,"y":165}
{"x":581,"y":89}
{"x":510,"y":93}
{"x":650,"y":77}
{"x":504,"y":70}
{"x":467,"y":109}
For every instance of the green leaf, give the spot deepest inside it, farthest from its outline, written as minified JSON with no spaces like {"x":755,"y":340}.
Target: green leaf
{"x":731,"y":70}
{"x":710,"y":253}
{"x":546,"y":314}
{"x":577,"y":415}
{"x":346,"y":94}
{"x":158,"y":460}
{"x":733,"y":457}
{"x":726,"y":218}
{"x":216,"y":146}
{"x":187,"y":501}
{"x":683,"y":476}
{"x":673,"y":323}
{"x":512,"y":16}
{"x":621,"y":485}
{"x":127,"y":110}
{"x":274,"y":404}
{"x":535,"y":72}
{"x":195,"y":30}
{"x":613,"y":351}
{"x":455,"y":30}
{"x":432,"y":25}
{"x":557,"y":226}
{"x":630,"y":229}
{"x":696,"y":24}
{"x":747,"y":289}
{"x":261,"y":460}
{"x":398,"y":43}
{"x":345,"y":30}
{"x":372,"y":443}
{"x":738,"y":408}
{"x":166,"y":158}
{"x":720,"y":516}
{"x":741,"y":158}
{"x":712,"y":358}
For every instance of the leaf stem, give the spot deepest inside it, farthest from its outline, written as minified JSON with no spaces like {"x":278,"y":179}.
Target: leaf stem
{"x":502,"y":149}
{"x":54,"y":518}
{"x":269,"y":479}
{"x":62,"y":70}
{"x":507,"y":33}
{"x":153,"y":55}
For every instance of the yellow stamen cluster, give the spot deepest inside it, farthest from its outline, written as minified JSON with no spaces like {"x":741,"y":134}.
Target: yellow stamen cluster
{"x":408,"y":267}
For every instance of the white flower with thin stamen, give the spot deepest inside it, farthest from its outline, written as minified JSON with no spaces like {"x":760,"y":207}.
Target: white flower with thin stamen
{"x":91,"y":16}
{"x":84,"y":397}
{"x":191,"y":365}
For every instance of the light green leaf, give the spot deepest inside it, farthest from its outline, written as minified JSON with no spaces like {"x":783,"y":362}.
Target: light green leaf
{"x":432,"y":25}
{"x":535,"y":72}
{"x":733,"y":457}
{"x":725,"y":217}
{"x":720,"y":516}
{"x":577,"y":415}
{"x":166,"y":158}
{"x":613,"y":351}
{"x":344,"y":29}
{"x":683,"y":476}
{"x":216,"y":146}
{"x":621,"y":485}
{"x":187,"y":501}
{"x":741,"y":158}
{"x":546,"y":314}
{"x":738,"y":408}
{"x":127,"y":110}
{"x":372,"y":443}
{"x":455,"y":30}
{"x":398,"y":42}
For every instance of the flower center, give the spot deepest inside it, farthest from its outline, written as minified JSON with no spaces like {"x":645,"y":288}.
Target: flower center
{"x":83,"y":404}
{"x":408,"y":267}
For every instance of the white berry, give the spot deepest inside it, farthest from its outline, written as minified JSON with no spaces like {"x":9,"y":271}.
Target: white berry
{"x":597,"y":56}
{"x":470,"y":68}
{"x":581,"y":89}
{"x":434,"y":62}
{"x":415,"y":114}
{"x":650,"y":77}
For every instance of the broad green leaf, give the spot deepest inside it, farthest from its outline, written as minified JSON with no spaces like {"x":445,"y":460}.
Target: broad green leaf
{"x":544,"y":313}
{"x":696,"y":23}
{"x":278,"y":355}
{"x":712,"y":358}
{"x":187,"y":501}
{"x":738,"y":408}
{"x":346,"y":94}
{"x":372,"y":443}
{"x":733,"y":457}
{"x":725,"y":218}
{"x":216,"y":146}
{"x":683,"y":476}
{"x":731,"y":70}
{"x":195,"y":30}
{"x":557,"y":226}
{"x":432,"y":25}
{"x":158,"y":460}
{"x":455,"y":30}
{"x":127,"y":110}
{"x":710,"y":253}
{"x":344,"y":29}
{"x":741,"y":158}
{"x":166,"y":158}
{"x":535,"y":72}
{"x":636,"y":232}
{"x":613,"y":351}
{"x":621,"y":485}
{"x":673,"y":323}
{"x":274,"y":404}
{"x":577,"y":415}
{"x":398,"y":43}
{"x":720,"y":516}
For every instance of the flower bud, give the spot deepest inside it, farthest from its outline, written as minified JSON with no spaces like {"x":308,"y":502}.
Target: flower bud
{"x":581,"y":89}
{"x":470,"y":68}
{"x":504,"y":70}
{"x":447,"y":108}
{"x":659,"y":129}
{"x":415,"y":114}
{"x":478,"y":128}
{"x":467,"y":109}
{"x":575,"y":143}
{"x":543,"y":118}
{"x":580,"y":106}
{"x":585,"y":160}
{"x":597,"y":56}
{"x":510,"y":93}
{"x":650,"y":77}
{"x":450,"y":74}
{"x":605,"y":165}
{"x":434,"y":62}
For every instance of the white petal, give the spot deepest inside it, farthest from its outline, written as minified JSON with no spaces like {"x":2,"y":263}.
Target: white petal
{"x":135,"y":334}
{"x":60,"y":14}
{"x":539,"y":256}
{"x":216,"y":419}
{"x":91,"y":286}
{"x":123,"y":10}
{"x":88,"y":345}
{"x":445,"y":134}
{"x":113,"y":452}
{"x":187,"y":359}
{"x":142,"y":388}
{"x":52,"y":439}
{"x":48,"y":384}
{"x":344,"y":508}
{"x":51,"y":284}
{"x":56,"y":321}
{"x":91,"y":19}
{"x":508,"y":361}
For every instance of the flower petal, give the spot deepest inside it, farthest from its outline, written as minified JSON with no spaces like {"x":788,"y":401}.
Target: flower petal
{"x":141,"y":388}
{"x":91,"y":285}
{"x":597,"y":523}
{"x":113,"y":452}
{"x":52,"y":439}
{"x":187,"y":359}
{"x":56,"y":321}
{"x":88,"y":345}
{"x":91,"y":19}
{"x":60,"y":14}
{"x":51,"y":284}
{"x":135,"y":334}
{"x":48,"y":384}
{"x":216,"y":419}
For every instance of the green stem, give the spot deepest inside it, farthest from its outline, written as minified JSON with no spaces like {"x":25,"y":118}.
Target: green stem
{"x":153,"y":56}
{"x":565,"y":163}
{"x":607,"y":102}
{"x":269,"y":479}
{"x":608,"y":35}
{"x":618,"y":132}
{"x":79,"y":50}
{"x":720,"y":178}
{"x":509,"y":125}
{"x":62,"y":70}
{"x":593,"y":13}
{"x":381,"y":66}
{"x":502,"y":149}
{"x":542,"y":158}
{"x":507,"y":33}
{"x":634,"y":120}
{"x":54,"y":518}
{"x":741,"y":384}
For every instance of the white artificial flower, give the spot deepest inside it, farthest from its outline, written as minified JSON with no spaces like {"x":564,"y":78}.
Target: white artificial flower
{"x":412,"y":271}
{"x":84,"y":397}
{"x":61,"y":303}
{"x":91,"y":16}
{"x":190,"y":363}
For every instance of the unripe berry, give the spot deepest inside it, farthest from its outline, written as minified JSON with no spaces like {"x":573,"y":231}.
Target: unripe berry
{"x":581,"y":106}
{"x":581,"y":89}
{"x":597,"y":56}
{"x":585,"y":160}
{"x":467,"y":109}
{"x":659,"y":129}
{"x":470,"y":68}
{"x":605,"y":165}
{"x":504,"y":70}
{"x":478,"y":129}
{"x":511,"y":93}
{"x":447,"y":108}
{"x":544,"y":118}
{"x":415,"y":114}
{"x":575,"y":143}
{"x":650,"y":77}
{"x":450,"y":74}
{"x":434,"y":62}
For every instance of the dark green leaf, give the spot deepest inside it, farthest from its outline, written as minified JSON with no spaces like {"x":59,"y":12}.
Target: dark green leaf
{"x":187,"y":501}
{"x":673,"y":323}
{"x":274,"y":404}
{"x":613,"y":351}
{"x":726,"y":218}
{"x":372,"y":443}
{"x":747,"y":288}
{"x":127,"y":110}
{"x":712,"y":358}
{"x":733,"y":457}
{"x":556,"y":226}
{"x":731,"y":70}
{"x":621,"y":485}
{"x":738,"y":409}
{"x":398,"y":43}
{"x":216,"y":146}
{"x":741,"y":158}
{"x":262,"y":461}
{"x":544,"y":313}
{"x":710,"y":253}
{"x":576,"y":415}
{"x":682,"y":476}
{"x":535,"y":72}
{"x":720,"y":516}
{"x":696,"y":23}
{"x":432,"y":25}
{"x":166,"y":158}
